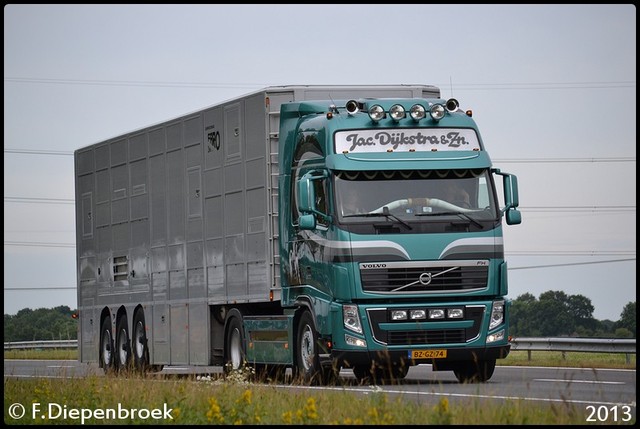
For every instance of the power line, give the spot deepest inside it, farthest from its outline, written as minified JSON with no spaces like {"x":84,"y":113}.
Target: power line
{"x":564,"y":160}
{"x":39,"y":200}
{"x":570,"y":252}
{"x":497,"y":160}
{"x":41,"y":288}
{"x":38,"y":152}
{"x":543,"y":209}
{"x":37,"y":244}
{"x":571,"y":264}
{"x":469,"y":87}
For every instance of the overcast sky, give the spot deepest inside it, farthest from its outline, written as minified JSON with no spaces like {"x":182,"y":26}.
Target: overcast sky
{"x":552,"y":88}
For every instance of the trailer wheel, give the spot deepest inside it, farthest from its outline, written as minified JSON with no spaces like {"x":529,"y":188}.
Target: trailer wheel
{"x":307,"y":360}
{"x":139,"y":342}
{"x":475,"y":372}
{"x":123,"y":345}
{"x":106,"y":346}
{"x":234,"y":347}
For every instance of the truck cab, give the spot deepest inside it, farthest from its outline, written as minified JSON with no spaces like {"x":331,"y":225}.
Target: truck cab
{"x":391,"y":237}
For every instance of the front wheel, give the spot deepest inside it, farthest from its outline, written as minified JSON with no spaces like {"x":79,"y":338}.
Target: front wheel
{"x":307,"y":359}
{"x":475,"y":372}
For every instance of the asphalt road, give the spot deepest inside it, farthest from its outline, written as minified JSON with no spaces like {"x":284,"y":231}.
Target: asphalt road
{"x":610,"y":391}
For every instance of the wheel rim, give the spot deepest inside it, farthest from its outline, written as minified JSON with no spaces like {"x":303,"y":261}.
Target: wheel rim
{"x":306,"y":348}
{"x":234,"y":346}
{"x":139,"y":341}
{"x":106,"y":348}
{"x":122,"y":346}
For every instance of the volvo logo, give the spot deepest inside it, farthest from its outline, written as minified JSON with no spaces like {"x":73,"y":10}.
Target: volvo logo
{"x":425,"y":278}
{"x":368,"y":266}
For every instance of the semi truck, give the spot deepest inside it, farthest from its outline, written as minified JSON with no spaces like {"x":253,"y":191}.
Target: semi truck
{"x":310,"y":228}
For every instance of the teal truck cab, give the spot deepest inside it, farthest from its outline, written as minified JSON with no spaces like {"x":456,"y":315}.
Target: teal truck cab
{"x":391,"y":238}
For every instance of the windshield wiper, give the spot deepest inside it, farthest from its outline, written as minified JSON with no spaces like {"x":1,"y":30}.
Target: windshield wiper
{"x":385,"y":213}
{"x":463,"y":215}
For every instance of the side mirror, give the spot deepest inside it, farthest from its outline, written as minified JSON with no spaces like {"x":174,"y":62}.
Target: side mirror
{"x":306,"y":195}
{"x":511,"y":198}
{"x":513,"y":217}
{"x":307,"y":221}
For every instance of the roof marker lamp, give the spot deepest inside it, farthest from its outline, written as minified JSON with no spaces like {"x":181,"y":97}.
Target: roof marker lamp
{"x":397,"y":112}
{"x":437,"y":112}
{"x":417,"y":112}
{"x":376,"y":112}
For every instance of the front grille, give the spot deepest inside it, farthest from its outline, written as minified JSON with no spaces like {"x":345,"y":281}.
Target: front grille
{"x":434,"y":277}
{"x":424,"y":335}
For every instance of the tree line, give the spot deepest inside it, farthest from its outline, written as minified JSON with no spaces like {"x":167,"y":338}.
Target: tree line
{"x":553,"y":314}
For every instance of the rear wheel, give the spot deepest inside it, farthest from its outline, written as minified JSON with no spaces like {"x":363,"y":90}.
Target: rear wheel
{"x":123,"y":344}
{"x":106,"y":346}
{"x":139,"y":342}
{"x":475,"y":372}
{"x":235,"y":355}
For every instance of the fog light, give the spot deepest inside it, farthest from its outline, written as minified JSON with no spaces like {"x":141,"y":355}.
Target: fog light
{"x":354,"y":341}
{"x":455,"y":313}
{"x":399,"y":315}
{"x":498,"y":336}
{"x":437,"y":313}
{"x":417,"y":314}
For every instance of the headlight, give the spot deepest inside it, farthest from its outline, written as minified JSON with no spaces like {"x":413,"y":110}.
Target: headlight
{"x":351,"y":319}
{"x":497,"y":314}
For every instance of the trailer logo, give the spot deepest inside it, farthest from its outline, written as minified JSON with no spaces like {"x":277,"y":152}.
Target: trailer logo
{"x":406,"y":139}
{"x":213,"y":138}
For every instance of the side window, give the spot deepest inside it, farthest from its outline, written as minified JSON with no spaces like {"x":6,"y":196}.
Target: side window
{"x":322,"y":204}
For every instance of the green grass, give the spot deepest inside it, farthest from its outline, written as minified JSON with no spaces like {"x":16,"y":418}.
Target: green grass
{"x":205,"y":400}
{"x":235,"y":401}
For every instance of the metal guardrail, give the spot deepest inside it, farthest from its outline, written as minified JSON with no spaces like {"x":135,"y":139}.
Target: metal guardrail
{"x":562,"y":344}
{"x":569,"y":344}
{"x":53,"y":344}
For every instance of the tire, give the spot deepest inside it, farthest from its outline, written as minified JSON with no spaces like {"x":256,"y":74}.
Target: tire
{"x":106,"y":355}
{"x":123,"y":345}
{"x":366,"y":375}
{"x":307,"y":361}
{"x":139,"y":342}
{"x":235,"y":355}
{"x":399,"y":372}
{"x":475,"y":372}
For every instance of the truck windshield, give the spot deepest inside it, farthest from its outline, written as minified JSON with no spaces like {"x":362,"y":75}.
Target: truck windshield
{"x":414,"y":196}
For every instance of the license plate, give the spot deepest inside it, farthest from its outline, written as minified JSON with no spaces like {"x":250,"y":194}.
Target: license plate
{"x":428,"y":354}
